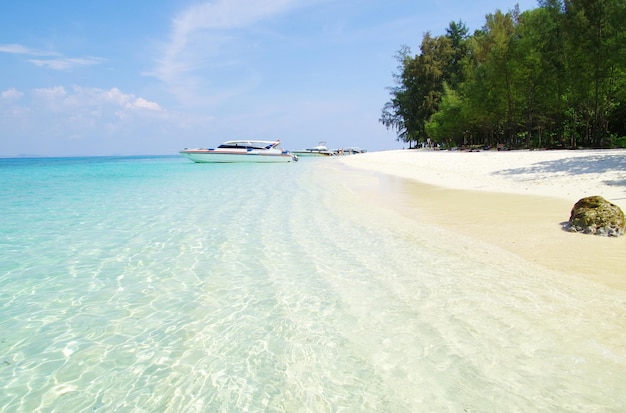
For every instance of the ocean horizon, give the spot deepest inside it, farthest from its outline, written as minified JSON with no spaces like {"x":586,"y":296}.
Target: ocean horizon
{"x":150,"y":283}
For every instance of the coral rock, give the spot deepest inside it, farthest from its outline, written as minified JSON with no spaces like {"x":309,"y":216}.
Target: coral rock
{"x":595,"y":215}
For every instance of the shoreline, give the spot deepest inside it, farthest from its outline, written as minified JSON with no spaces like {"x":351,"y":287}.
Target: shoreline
{"x":514,"y":200}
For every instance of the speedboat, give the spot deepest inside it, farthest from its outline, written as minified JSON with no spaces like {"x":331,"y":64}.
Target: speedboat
{"x":320,"y":150}
{"x":240,"y":151}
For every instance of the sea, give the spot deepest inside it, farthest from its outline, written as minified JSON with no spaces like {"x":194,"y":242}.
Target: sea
{"x":154,"y":284}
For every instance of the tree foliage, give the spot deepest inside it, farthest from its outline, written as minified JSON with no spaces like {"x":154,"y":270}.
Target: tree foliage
{"x":554,"y":76}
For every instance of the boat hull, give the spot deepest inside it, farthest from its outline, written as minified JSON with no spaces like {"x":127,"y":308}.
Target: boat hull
{"x":307,"y":153}
{"x":212,"y":156}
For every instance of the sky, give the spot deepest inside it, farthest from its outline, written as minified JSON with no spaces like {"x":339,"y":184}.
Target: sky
{"x":100,"y":78}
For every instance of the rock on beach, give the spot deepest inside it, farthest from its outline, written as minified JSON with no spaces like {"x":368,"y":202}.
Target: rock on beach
{"x":595,"y":215}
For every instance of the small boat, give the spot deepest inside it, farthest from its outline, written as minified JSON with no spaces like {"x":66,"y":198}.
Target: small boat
{"x":240,"y":151}
{"x":320,"y":150}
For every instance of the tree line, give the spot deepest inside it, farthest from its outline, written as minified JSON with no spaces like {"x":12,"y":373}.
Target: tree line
{"x":550,"y":77}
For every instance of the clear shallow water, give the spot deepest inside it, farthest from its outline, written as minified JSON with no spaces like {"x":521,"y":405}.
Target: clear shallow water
{"x":155,"y":284}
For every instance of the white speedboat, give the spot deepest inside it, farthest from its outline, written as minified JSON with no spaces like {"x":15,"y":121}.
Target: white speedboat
{"x":241,"y":151}
{"x":320,"y":150}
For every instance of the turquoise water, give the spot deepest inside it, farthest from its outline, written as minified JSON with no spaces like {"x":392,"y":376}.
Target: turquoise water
{"x":152,"y":284}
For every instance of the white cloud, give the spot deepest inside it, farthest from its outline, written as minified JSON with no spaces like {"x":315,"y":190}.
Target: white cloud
{"x":50,"y":93}
{"x":52,"y":60}
{"x":80,"y":98}
{"x":19,"y":49}
{"x":11,"y":94}
{"x":66,"y":63}
{"x":141,"y":103}
{"x":198,"y":35}
{"x":114,"y":95}
{"x":125,"y":100}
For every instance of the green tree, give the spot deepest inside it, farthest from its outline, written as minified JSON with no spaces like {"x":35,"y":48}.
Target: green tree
{"x":428,"y":73}
{"x":448,"y":124}
{"x":546,"y":26}
{"x":538,"y":67}
{"x":397,"y":114}
{"x":595,"y":50}
{"x":489,"y":86}
{"x":419,"y":90}
{"x":457,"y":33}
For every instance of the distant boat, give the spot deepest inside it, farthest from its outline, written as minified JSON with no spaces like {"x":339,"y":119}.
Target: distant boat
{"x":320,"y":150}
{"x":351,"y":151}
{"x":240,"y":151}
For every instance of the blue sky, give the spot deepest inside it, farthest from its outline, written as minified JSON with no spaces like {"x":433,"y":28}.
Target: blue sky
{"x":151,"y":77}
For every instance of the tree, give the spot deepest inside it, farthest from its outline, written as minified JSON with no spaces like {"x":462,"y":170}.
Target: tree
{"x":397,"y":113}
{"x":539,"y":64}
{"x":419,"y":90}
{"x":489,"y":85}
{"x":448,"y":124}
{"x":457,"y":33}
{"x":595,"y":46}
{"x":549,"y":76}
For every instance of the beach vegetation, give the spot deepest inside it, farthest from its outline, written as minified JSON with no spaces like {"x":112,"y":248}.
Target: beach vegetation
{"x":551,"y":77}
{"x":620,"y":142}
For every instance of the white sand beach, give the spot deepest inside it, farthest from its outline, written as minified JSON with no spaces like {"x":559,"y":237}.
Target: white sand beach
{"x":515,"y":200}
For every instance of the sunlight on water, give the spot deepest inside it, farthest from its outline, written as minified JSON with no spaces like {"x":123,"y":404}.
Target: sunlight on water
{"x":155,"y":284}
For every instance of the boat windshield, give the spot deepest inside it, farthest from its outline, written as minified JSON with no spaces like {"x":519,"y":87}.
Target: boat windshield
{"x":246,"y":144}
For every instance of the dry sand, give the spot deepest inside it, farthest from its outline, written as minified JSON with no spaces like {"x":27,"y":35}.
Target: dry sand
{"x":514,"y":200}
